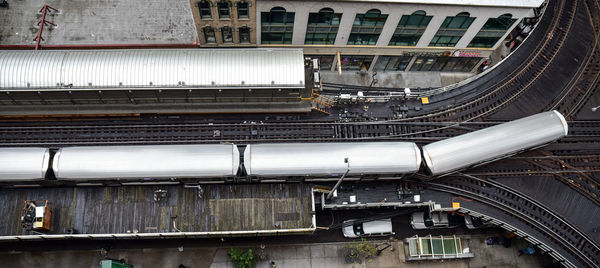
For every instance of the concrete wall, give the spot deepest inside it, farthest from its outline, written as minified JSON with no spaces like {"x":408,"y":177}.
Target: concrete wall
{"x":234,"y":22}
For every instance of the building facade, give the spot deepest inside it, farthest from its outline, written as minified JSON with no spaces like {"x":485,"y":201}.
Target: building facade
{"x":223,"y":23}
{"x":392,"y":35}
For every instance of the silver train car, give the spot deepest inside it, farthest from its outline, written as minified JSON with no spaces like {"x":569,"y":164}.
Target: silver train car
{"x":23,"y":164}
{"x":280,"y":162}
{"x":146,"y":162}
{"x":489,"y":144}
{"x":328,"y":159}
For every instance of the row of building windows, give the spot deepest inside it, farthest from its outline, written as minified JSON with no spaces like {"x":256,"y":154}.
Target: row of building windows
{"x":226,"y":34}
{"x":399,"y":63}
{"x":277,"y":28}
{"x":224,"y":9}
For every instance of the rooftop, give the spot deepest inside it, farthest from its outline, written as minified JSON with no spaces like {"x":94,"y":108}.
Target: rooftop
{"x":151,"y":68}
{"x":219,"y":209}
{"x":99,"y":22}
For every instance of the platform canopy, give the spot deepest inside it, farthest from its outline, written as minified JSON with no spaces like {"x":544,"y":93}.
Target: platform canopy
{"x":144,"y":69}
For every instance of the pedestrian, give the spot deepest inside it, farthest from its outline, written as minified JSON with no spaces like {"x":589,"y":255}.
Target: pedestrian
{"x":485,"y":65}
{"x":272,"y":264}
{"x":529,"y":250}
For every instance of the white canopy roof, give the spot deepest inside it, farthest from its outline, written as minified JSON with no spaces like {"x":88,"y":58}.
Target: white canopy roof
{"x":164,"y":68}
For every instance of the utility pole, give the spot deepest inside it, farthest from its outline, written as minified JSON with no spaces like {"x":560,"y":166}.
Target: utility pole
{"x":330,"y":194}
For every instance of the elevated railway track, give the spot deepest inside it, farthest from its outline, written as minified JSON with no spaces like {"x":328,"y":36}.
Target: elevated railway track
{"x":573,"y":246}
{"x":253,"y":132}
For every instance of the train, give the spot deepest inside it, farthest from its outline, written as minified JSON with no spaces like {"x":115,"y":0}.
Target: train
{"x":274,"y":162}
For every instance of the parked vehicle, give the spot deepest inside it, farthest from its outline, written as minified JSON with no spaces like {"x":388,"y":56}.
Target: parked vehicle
{"x":426,"y":220}
{"x":475,"y":223}
{"x":354,"y":228}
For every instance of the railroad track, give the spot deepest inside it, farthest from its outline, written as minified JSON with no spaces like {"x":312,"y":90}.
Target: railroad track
{"x":557,"y":231}
{"x":574,"y":170}
{"x":570,"y":101}
{"x":253,"y":132}
{"x":505,"y":91}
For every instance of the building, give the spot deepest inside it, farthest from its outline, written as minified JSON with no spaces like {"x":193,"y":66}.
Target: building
{"x":392,"y":35}
{"x":225,"y":23}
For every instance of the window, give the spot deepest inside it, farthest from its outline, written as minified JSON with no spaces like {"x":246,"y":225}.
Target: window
{"x":452,"y":29}
{"x":322,"y":27}
{"x":244,"y":34}
{"x":410,"y":29}
{"x":223,"y":8}
{"x":277,"y":26}
{"x":204,"y":7}
{"x":325,"y":61}
{"x":444,"y":64}
{"x":227,"y":34}
{"x":356,"y":62}
{"x":209,"y":35}
{"x":242,"y":10}
{"x":392,"y":63}
{"x":492,"y":31}
{"x":367,"y":27}
{"x":358,"y":229}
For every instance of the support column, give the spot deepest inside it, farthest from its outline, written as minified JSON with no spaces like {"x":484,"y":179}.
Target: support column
{"x":431,"y":30}
{"x":471,"y":32}
{"x":345,"y":28}
{"x":375,"y":59}
{"x":300,"y":25}
{"x":258,"y":23}
{"x":388,"y":29}
{"x":410,"y":64}
{"x":512,"y":27}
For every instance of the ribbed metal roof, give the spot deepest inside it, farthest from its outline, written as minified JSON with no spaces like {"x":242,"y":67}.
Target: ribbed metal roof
{"x":92,"y":69}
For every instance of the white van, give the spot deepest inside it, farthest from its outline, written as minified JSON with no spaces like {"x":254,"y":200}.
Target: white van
{"x":354,"y":229}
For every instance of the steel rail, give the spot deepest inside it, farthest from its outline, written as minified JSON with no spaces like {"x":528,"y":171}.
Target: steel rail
{"x":514,"y":204}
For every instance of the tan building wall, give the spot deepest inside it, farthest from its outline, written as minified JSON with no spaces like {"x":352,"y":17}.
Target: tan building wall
{"x":217,"y":23}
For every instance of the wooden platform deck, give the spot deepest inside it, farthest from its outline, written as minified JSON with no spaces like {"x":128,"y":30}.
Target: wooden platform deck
{"x":117,"y":210}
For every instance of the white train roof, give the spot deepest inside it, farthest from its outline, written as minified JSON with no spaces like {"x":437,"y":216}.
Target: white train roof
{"x":149,"y":161}
{"x":494,"y":142}
{"x":327,"y":159}
{"x":19,"y":164}
{"x":149,"y":68}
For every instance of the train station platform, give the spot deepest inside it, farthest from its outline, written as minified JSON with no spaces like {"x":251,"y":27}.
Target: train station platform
{"x":376,"y":195}
{"x":175,"y":211}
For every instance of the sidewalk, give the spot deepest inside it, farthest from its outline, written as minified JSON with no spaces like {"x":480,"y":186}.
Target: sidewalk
{"x":330,"y":255}
{"x":322,"y":255}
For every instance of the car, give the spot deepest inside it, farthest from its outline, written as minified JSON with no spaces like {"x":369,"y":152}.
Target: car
{"x":476,"y":223}
{"x":355,"y":228}
{"x":425,"y":220}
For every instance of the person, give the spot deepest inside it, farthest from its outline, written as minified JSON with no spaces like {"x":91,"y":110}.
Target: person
{"x":529,"y":250}
{"x":272,"y":264}
{"x":486,"y":64}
